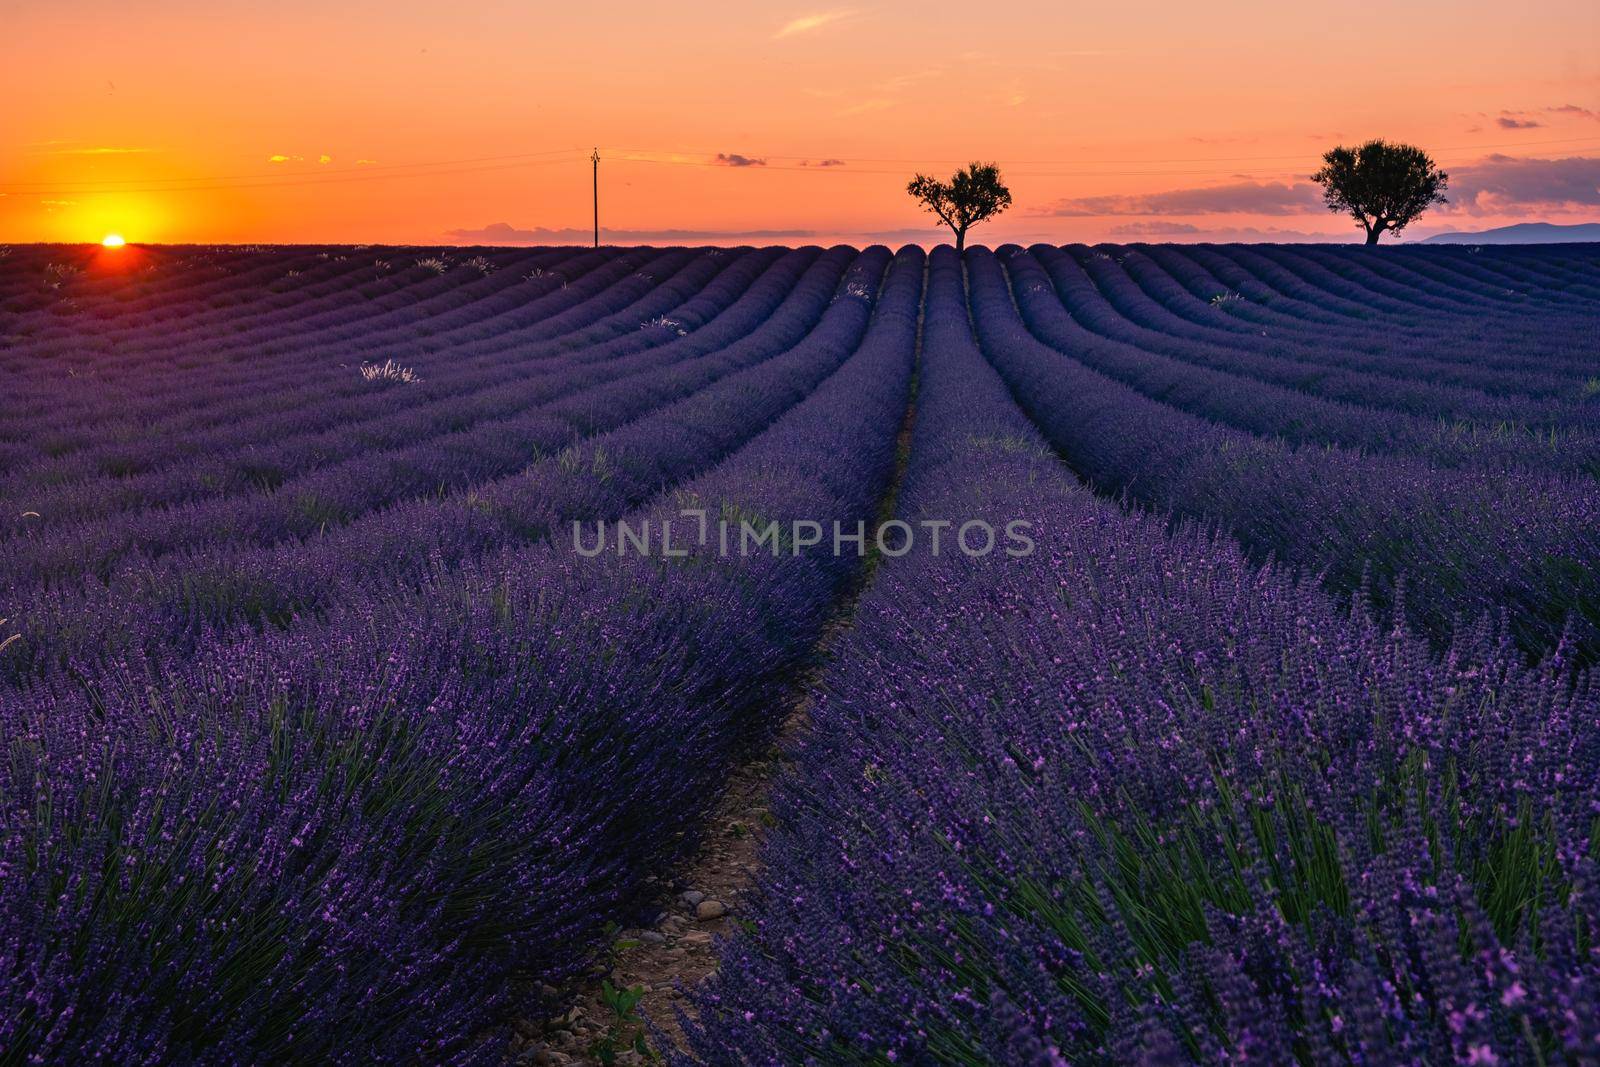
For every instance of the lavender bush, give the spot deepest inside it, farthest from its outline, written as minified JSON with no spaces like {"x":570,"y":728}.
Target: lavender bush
{"x":340,"y":841}
{"x":322,"y":743}
{"x":1385,"y":524}
{"x":1181,"y":809}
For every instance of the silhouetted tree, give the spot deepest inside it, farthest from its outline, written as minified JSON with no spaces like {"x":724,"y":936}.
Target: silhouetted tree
{"x":1384,"y":186}
{"x":971,"y":196}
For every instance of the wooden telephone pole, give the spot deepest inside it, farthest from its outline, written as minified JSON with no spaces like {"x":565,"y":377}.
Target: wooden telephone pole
{"x":595,"y":159}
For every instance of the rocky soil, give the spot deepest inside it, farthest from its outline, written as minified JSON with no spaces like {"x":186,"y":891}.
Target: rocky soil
{"x":674,"y":954}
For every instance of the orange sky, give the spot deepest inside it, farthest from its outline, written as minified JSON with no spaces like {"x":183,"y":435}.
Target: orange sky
{"x":211,"y":121}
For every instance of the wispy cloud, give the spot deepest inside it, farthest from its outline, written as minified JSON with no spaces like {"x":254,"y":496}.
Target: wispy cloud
{"x":1154,"y":229}
{"x":822,"y":163}
{"x":503,"y":233}
{"x":284,"y":159}
{"x":1238,"y":198}
{"x":734,"y":159}
{"x":807,"y":23}
{"x":1181,"y":231}
{"x":862,"y":107}
{"x":56,"y":148}
{"x":1528,"y":118}
{"x":884,"y":93}
{"x":899,"y":83}
{"x":1228,"y":140}
{"x":1506,"y":185}
{"x":1495,"y":185}
{"x":1574,"y":110}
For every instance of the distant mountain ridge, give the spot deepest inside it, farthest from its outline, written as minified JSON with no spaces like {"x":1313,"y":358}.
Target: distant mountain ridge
{"x":1523,"y":233}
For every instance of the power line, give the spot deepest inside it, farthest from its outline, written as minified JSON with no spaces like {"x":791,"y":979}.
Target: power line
{"x":558,"y":157}
{"x":1058,"y":162}
{"x":372,"y":170}
{"x":369,"y":170}
{"x":1009,"y":164}
{"x":291,"y":182}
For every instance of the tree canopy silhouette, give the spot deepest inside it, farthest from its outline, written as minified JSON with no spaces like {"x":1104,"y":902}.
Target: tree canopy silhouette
{"x":1383,"y":186}
{"x":971,"y":196}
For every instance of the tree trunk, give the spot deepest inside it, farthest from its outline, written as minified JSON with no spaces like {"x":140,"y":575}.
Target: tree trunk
{"x":961,"y":241}
{"x":1374,"y":231}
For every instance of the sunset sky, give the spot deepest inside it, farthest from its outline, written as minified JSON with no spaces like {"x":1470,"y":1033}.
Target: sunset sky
{"x":422,"y":121}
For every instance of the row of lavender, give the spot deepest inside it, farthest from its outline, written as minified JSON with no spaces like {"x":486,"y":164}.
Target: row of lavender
{"x":1231,"y":289}
{"x":370,"y":530}
{"x":313,"y":407}
{"x":220,"y":315}
{"x":468,"y":392}
{"x":339,"y":841}
{"x":1132,"y":799}
{"x":594,"y":436}
{"x":401,"y":341}
{"x":75,"y":495}
{"x":177,"y":474}
{"x":1511,"y":525}
{"x":1283,"y":384}
{"x":244,"y":403}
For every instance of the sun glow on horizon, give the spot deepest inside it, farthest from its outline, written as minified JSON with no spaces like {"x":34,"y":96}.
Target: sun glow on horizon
{"x":1092,"y":113}
{"x":113,"y":240}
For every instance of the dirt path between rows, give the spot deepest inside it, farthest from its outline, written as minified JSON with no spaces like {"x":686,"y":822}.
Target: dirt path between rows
{"x":663,"y":961}
{"x":651,"y":970}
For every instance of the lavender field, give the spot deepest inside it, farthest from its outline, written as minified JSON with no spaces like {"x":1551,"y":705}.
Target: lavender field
{"x":324,"y":743}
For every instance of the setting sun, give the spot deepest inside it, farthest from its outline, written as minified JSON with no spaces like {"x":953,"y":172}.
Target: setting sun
{"x":113,"y":240}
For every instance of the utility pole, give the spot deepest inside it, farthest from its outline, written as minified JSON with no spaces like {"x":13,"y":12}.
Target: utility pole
{"x":595,"y":159}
